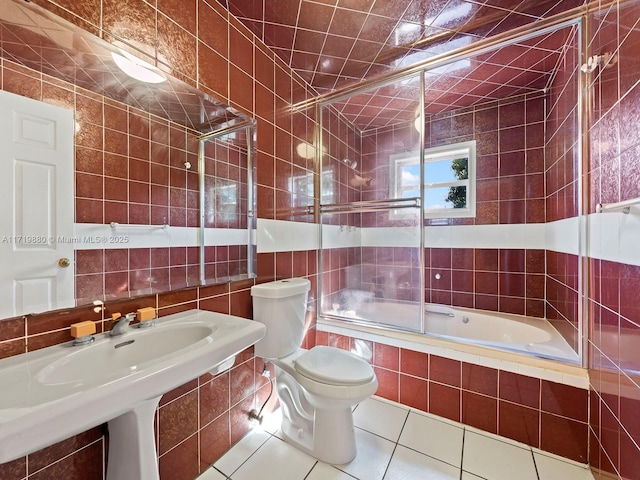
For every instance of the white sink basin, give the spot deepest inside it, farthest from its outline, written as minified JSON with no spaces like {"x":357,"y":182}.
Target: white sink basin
{"x":117,"y":357}
{"x":54,"y":393}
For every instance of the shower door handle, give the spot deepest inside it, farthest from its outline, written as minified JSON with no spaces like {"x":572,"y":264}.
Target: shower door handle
{"x":440,"y":313}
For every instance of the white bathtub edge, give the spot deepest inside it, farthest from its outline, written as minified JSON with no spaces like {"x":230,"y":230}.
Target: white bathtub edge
{"x":570,"y":375}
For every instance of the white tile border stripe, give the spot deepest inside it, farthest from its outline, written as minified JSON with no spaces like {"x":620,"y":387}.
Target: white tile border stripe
{"x":93,"y":236}
{"x":611,"y":236}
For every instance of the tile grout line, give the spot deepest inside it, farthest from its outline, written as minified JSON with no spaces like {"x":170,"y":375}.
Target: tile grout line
{"x":396,"y":443}
{"x":311,"y":470}
{"x":220,"y":472}
{"x":464,"y":436}
{"x":535,"y":465}
{"x":252,"y":454}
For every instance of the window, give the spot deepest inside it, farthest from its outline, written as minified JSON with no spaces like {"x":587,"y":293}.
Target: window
{"x":449,"y":179}
{"x":301,"y":188}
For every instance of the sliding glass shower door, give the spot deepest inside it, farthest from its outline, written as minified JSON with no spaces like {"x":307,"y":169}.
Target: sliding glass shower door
{"x":370,"y":265}
{"x":371,"y":239}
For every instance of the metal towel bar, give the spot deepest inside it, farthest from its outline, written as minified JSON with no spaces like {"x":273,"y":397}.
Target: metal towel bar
{"x":115,"y":225}
{"x":625,"y":206}
{"x":371,"y":205}
{"x":446,"y":314}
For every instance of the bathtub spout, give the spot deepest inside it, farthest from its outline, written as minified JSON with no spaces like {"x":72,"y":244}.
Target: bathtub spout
{"x":446,"y":314}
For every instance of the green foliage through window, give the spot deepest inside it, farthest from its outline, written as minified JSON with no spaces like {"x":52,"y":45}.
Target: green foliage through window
{"x":449,"y":179}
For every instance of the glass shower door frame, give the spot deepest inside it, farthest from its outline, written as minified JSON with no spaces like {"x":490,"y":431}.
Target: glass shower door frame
{"x":390,"y":205}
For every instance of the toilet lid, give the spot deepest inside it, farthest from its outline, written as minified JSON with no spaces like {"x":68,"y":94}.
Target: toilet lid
{"x":334,"y":366}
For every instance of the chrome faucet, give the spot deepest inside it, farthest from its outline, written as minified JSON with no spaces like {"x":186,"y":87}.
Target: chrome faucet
{"x":121,"y":324}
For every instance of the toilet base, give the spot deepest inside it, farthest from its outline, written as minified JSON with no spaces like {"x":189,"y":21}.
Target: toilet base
{"x":327,"y":434}
{"x":331,"y":439}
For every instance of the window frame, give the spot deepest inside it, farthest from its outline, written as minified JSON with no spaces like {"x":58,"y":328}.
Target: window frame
{"x":434,"y":154}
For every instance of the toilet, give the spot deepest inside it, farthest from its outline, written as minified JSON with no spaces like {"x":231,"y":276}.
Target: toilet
{"x":317,"y":388}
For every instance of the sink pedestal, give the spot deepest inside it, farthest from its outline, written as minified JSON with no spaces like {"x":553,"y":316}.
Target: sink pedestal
{"x":132,"y":446}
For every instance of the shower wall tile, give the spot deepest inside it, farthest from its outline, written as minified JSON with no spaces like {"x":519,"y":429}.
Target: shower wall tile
{"x":612,"y":293}
{"x":561,"y":284}
{"x":540,"y":413}
{"x":511,"y":189}
{"x":505,"y":280}
{"x":561,"y":157}
{"x":561,"y":147}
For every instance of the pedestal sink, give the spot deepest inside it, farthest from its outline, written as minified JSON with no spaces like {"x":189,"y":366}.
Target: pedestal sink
{"x":54,"y":393}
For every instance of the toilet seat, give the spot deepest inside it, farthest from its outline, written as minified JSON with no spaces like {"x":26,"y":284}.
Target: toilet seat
{"x":333,"y":366}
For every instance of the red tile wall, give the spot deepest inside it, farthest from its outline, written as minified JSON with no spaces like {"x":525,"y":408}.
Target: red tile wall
{"x":339,"y":184}
{"x":562,"y":295}
{"x":225,"y":161}
{"x":614,"y":175}
{"x":540,"y":413}
{"x":225,"y":167}
{"x":109,"y":273}
{"x":511,"y":189}
{"x":510,"y":158}
{"x":500,"y":280}
{"x":340,"y":141}
{"x":264,"y":89}
{"x":562,"y":156}
{"x":130,"y":169}
{"x":562,"y":148}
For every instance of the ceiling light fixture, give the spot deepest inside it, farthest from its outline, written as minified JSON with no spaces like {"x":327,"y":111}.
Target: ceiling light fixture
{"x":137,"y":68}
{"x":306,"y":150}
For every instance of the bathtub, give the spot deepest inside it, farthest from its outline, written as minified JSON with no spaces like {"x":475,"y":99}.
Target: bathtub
{"x":513,"y":333}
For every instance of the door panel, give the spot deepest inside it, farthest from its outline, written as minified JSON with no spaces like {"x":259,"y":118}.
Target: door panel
{"x":36,"y":217}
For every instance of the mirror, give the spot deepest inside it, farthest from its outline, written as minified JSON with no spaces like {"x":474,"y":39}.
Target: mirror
{"x":228,"y":219}
{"x":140,"y":195}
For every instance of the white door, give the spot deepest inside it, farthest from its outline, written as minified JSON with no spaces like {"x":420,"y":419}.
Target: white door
{"x":37,"y":205}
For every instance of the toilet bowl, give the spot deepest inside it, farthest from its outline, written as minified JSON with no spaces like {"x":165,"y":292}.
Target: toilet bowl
{"x":317,"y":388}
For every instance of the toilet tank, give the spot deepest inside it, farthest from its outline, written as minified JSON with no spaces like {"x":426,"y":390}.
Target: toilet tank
{"x":281,"y":306}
